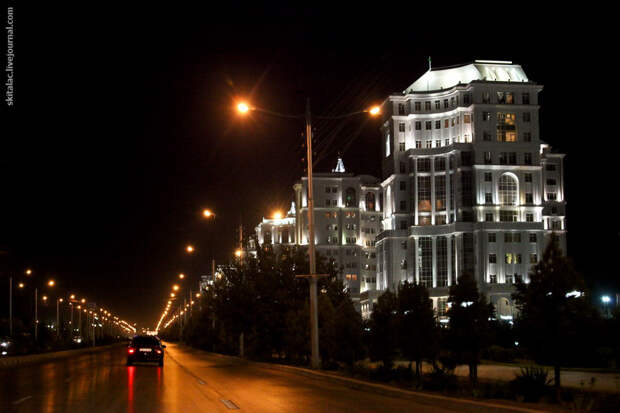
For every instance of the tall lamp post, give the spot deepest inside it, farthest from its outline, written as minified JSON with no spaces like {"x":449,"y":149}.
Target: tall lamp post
{"x":244,"y":108}
{"x":50,"y":283}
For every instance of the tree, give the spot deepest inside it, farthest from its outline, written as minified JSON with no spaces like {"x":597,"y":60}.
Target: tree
{"x":383,"y":339}
{"x":553,"y":309}
{"x":417,"y":327}
{"x":469,"y":330}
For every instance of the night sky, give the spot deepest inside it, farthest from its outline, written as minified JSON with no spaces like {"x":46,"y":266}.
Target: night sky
{"x":123,"y":128}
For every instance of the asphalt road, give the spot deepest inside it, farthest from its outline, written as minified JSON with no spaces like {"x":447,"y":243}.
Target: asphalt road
{"x":192,"y":381}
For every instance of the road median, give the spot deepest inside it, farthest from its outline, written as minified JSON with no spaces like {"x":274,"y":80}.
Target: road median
{"x":16,"y":361}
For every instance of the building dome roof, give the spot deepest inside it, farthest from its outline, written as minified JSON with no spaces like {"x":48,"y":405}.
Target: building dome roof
{"x":487,"y":70}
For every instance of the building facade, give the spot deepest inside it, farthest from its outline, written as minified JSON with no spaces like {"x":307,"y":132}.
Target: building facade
{"x":468,"y":185}
{"x":347,"y":219}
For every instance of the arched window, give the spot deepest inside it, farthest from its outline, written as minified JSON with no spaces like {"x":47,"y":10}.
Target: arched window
{"x":507,"y":190}
{"x":370,"y":201}
{"x":349,"y":198}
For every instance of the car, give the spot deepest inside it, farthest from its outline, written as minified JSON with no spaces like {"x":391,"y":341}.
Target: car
{"x":7,"y":347}
{"x":145,"y":349}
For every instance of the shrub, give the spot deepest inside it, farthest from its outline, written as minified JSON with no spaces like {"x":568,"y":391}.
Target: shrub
{"x":532,"y":383}
{"x":502,"y":354}
{"x":440,"y":380}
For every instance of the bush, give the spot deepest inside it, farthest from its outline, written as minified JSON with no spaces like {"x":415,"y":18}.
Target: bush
{"x":440,"y":380}
{"x":502,"y":354}
{"x":532,"y":383}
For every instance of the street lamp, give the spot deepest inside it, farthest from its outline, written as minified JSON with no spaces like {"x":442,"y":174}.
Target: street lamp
{"x":244,"y":108}
{"x":181,"y":276}
{"x":58,"y":301}
{"x":606,"y":300}
{"x":277,"y":215}
{"x":207,"y":213}
{"x":189,"y":249}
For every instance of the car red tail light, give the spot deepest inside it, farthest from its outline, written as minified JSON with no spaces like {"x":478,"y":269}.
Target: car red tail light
{"x":131,"y":350}
{"x":158,"y":351}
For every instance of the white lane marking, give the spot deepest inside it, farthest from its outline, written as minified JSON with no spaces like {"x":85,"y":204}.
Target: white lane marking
{"x":23,"y":399}
{"x":229,"y":404}
{"x":201,"y":382}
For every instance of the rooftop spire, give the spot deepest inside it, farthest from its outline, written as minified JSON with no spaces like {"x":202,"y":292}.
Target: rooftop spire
{"x":339,"y":166}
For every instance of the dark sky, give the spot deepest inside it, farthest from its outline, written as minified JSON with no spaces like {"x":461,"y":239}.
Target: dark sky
{"x":123,"y":129}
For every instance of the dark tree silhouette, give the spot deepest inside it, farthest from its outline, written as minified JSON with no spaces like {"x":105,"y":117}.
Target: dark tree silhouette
{"x":551,"y":320}
{"x":383,"y":339}
{"x":469,"y":330}
{"x":417,"y":326}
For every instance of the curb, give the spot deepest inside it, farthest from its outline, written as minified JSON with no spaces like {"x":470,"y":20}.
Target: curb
{"x":15,"y":361}
{"x":362,"y":385}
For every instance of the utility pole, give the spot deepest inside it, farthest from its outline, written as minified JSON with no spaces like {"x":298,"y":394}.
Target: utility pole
{"x":11,"y":306}
{"x":57,"y":317}
{"x":314,"y":314}
{"x":36,"y":314}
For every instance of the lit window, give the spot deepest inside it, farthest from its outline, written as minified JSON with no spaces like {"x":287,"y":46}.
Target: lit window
{"x":507,"y":190}
{"x":506,"y":127}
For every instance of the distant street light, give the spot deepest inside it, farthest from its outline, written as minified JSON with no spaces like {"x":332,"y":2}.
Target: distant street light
{"x":181,"y":276}
{"x":243,"y":108}
{"x":51,"y":283}
{"x":277,"y":215}
{"x":189,"y":249}
{"x":28,"y":271}
{"x":207,"y":213}
{"x":238,"y":253}
{"x":175,"y":287}
{"x":605,"y":299}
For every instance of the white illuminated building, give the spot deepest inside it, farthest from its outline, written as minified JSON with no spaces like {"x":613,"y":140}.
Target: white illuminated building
{"x":469,"y":187}
{"x":347,"y":218}
{"x":277,"y":231}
